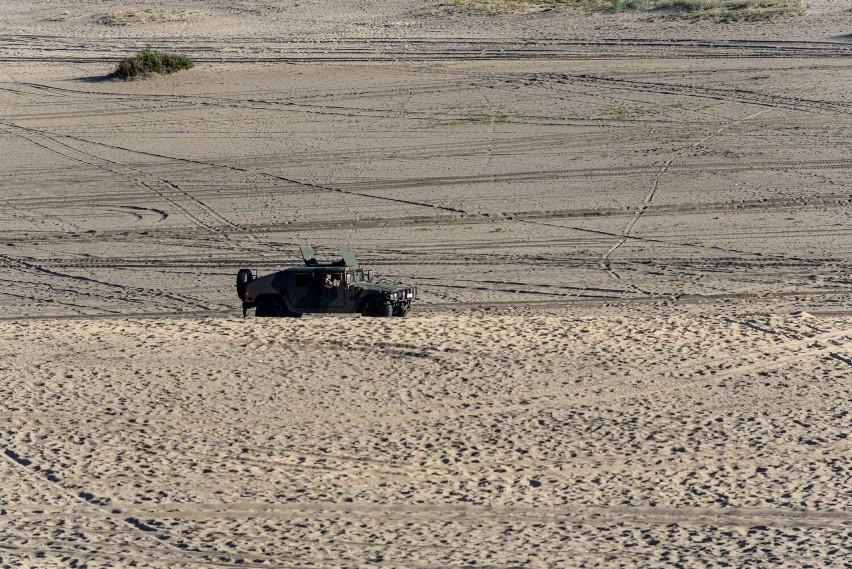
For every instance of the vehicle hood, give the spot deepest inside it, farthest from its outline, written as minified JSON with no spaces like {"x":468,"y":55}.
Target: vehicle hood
{"x":376,"y":287}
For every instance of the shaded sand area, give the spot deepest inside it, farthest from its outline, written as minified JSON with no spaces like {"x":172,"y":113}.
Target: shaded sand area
{"x":427,"y":441}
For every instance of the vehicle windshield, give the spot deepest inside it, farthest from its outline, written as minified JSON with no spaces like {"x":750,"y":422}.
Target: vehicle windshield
{"x":362,"y":276}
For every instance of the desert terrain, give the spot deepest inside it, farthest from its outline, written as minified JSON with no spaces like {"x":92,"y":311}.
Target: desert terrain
{"x":632,"y":241}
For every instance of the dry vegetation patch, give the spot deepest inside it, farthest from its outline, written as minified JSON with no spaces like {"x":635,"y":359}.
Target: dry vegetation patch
{"x":130,"y":16}
{"x":714,"y":9}
{"x":150,"y":61}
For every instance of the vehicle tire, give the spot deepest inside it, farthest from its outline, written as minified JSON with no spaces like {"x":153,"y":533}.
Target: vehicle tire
{"x":377,"y":308}
{"x":400,"y":311}
{"x":290,"y":314}
{"x":269,"y":308}
{"x":244,"y":277}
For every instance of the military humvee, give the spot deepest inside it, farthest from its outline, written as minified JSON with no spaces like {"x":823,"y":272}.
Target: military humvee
{"x":342,"y":286}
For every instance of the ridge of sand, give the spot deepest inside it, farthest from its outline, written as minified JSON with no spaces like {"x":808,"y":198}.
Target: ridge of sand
{"x":336,"y":442}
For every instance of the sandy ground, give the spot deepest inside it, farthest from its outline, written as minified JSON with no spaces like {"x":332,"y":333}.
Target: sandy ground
{"x":632,"y":239}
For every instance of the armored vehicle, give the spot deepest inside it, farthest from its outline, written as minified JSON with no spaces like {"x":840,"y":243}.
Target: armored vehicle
{"x":339,"y":287}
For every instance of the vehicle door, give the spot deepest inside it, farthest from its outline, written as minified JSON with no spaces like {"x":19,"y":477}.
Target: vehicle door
{"x":304,"y":292}
{"x":333,"y":292}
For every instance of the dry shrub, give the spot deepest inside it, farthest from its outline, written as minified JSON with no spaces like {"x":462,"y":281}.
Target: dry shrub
{"x":150,"y":61}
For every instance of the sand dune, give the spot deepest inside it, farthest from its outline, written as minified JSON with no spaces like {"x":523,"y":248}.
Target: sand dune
{"x":431,"y":440}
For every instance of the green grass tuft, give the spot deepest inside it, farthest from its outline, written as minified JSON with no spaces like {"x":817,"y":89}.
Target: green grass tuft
{"x":150,"y":61}
{"x":461,"y":115}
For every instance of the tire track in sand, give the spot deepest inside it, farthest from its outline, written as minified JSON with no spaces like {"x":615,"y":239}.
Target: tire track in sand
{"x":168,"y":192}
{"x":605,"y":262}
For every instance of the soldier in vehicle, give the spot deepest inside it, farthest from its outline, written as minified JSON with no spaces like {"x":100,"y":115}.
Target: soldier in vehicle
{"x":331,"y":282}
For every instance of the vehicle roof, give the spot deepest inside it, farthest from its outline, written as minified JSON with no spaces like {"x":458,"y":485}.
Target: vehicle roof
{"x":347,"y":255}
{"x":318,"y":269}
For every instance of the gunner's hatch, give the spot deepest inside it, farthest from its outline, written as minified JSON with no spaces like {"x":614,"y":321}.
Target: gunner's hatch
{"x":308,"y":255}
{"x":348,"y":256}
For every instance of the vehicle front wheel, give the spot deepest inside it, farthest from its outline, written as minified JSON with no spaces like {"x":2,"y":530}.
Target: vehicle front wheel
{"x":378,"y":308}
{"x":269,"y":308}
{"x":400,"y":311}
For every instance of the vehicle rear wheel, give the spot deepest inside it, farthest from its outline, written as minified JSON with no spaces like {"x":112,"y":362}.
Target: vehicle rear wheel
{"x":290,"y":314}
{"x":269,"y":308}
{"x":377,"y":308}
